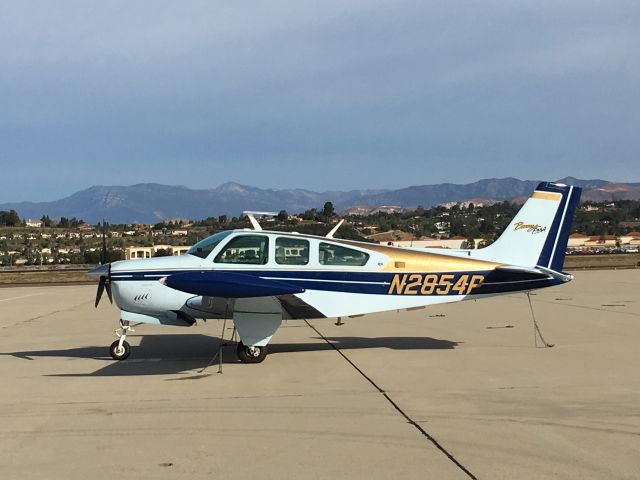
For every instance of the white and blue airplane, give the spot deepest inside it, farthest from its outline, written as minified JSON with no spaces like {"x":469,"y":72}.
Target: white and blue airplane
{"x":258,"y":278}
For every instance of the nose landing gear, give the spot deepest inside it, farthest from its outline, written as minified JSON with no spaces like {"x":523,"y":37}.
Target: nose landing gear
{"x":120,"y":349}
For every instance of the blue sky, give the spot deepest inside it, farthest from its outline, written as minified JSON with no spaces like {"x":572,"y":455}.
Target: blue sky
{"x":319,"y":95}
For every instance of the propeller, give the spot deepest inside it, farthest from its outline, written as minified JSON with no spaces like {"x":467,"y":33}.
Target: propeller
{"x":105,"y":268}
{"x":104,"y":284}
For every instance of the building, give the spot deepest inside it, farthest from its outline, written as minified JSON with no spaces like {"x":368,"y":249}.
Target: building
{"x":630,"y":242}
{"x":577,"y":241}
{"x":601,"y":241}
{"x":631,"y":238}
{"x":33,"y":223}
{"x":580,"y":241}
{"x":132,"y":253}
{"x":397,"y":238}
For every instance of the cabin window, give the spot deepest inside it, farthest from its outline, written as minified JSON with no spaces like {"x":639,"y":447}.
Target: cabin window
{"x":292,"y":251}
{"x":245,"y":249}
{"x":331,"y":254}
{"x":204,"y":247}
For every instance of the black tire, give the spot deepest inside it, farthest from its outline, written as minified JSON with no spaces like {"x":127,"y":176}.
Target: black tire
{"x":251,"y":354}
{"x":115,"y":354}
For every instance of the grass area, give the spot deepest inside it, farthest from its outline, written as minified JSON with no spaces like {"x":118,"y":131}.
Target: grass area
{"x":618,"y":260}
{"x":43,"y":277}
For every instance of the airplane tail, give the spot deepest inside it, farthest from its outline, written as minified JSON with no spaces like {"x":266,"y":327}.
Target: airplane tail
{"x":538,"y":235}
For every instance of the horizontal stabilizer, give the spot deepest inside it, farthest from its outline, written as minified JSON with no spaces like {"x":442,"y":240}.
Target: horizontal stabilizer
{"x":537,"y":270}
{"x":211,"y":283}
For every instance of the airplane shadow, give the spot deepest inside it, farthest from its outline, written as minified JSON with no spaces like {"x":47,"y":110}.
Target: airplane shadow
{"x":173,"y":354}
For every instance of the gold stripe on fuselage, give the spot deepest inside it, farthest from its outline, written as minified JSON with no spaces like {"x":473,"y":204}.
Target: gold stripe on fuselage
{"x":401,"y":260}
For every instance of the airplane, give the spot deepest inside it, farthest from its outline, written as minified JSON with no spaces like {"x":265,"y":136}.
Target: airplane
{"x":258,"y":277}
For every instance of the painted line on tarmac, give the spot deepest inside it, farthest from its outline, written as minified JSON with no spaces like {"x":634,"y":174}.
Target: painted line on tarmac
{"x":21,"y":296}
{"x":426,"y":434}
{"x":44,"y":315}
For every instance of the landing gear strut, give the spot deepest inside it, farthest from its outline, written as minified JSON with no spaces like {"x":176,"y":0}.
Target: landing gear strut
{"x":251,"y":354}
{"x":120,"y":349}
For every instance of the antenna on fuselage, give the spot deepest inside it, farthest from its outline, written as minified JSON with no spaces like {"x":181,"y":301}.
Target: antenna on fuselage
{"x":334,"y":229}
{"x":254,"y":222}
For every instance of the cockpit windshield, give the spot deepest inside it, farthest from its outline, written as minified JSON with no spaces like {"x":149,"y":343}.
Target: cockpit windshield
{"x":204,"y":247}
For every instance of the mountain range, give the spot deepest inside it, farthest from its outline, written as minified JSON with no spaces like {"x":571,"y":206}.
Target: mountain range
{"x":151,"y":202}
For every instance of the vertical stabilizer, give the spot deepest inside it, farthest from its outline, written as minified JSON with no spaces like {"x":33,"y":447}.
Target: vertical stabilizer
{"x":539,"y":233}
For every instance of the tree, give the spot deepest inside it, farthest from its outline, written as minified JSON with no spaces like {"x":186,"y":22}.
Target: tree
{"x":328,"y":211}
{"x":46,"y":221}
{"x":94,"y":257}
{"x":283,"y":215}
{"x":9,"y":219}
{"x":468,"y":244}
{"x":310,"y":214}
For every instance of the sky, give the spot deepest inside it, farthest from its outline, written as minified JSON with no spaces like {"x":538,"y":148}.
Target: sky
{"x":318,"y":95}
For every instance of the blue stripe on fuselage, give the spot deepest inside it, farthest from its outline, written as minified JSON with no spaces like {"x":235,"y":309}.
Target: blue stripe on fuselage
{"x":377,"y":283}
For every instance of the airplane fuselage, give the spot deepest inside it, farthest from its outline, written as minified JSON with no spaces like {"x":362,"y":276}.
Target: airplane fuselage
{"x":380,"y":278}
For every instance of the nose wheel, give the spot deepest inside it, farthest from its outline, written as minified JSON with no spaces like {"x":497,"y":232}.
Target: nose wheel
{"x":120,"y":352}
{"x":253,"y":354}
{"x":120,"y":349}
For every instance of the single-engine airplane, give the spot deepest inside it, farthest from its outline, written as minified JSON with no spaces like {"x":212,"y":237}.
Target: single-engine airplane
{"x":259,"y":277}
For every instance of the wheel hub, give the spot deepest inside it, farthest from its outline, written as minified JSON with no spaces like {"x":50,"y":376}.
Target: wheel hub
{"x":253,"y":351}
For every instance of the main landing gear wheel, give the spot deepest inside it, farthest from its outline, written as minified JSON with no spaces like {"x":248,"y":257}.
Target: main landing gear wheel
{"x":251,"y":354}
{"x":120,"y":352}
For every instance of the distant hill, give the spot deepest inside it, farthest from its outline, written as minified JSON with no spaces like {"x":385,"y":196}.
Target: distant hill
{"x":430,"y":195}
{"x":150,"y":202}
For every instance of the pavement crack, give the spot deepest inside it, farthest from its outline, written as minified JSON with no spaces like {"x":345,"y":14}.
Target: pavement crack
{"x":397,"y":407}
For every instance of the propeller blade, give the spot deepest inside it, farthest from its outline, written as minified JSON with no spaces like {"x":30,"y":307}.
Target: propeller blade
{"x":101,"y":285}
{"x":108,"y":289}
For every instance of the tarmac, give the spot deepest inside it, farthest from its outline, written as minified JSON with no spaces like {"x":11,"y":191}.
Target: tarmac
{"x":448,"y":392}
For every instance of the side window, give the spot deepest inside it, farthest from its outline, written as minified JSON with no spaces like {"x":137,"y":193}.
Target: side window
{"x":204,"y":247}
{"x":292,"y":251}
{"x":245,"y":249}
{"x":331,"y":254}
